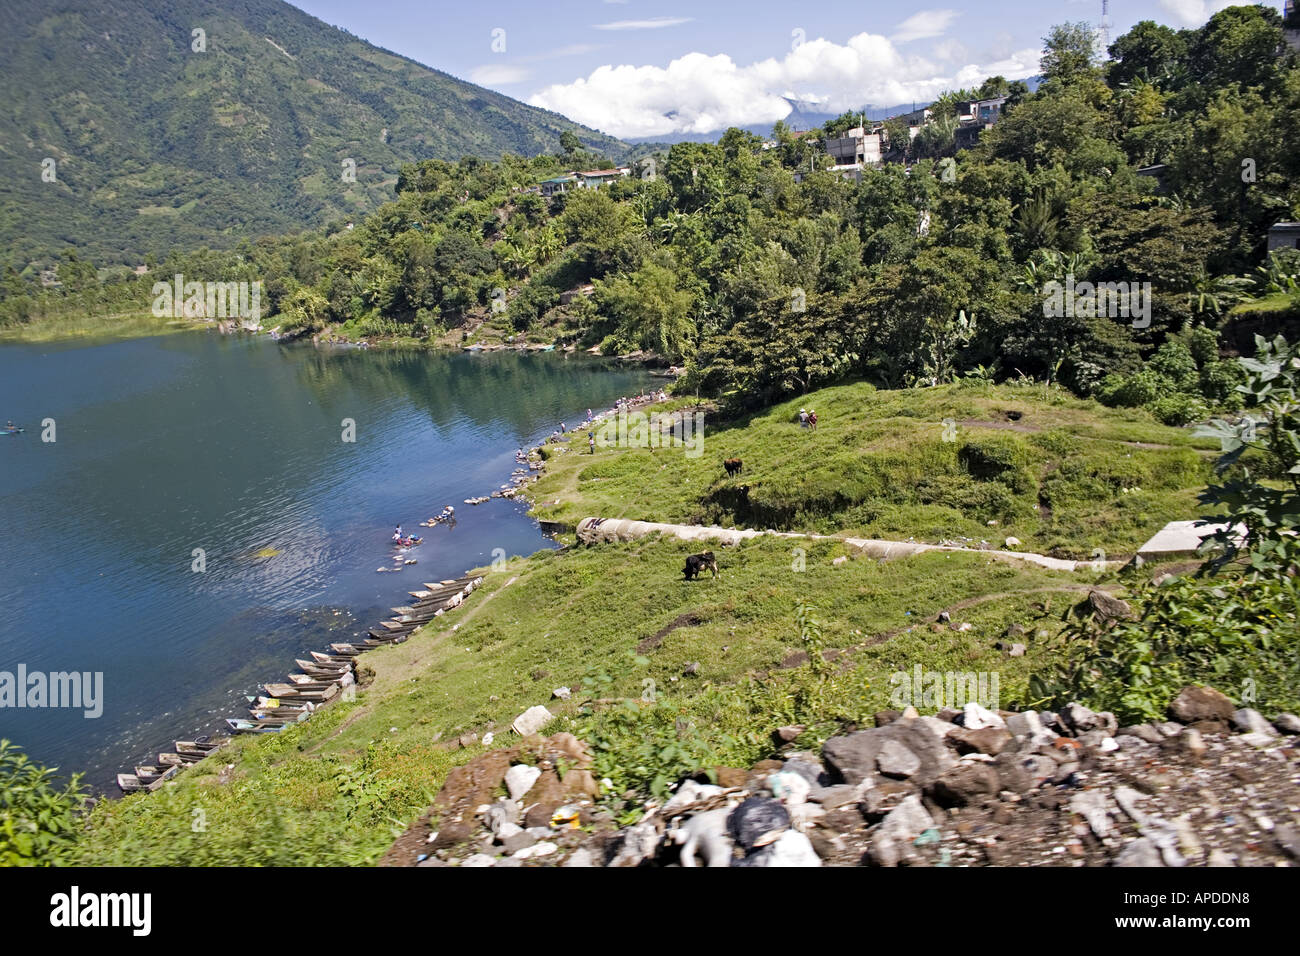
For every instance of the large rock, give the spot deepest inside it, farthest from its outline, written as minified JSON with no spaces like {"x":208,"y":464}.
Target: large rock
{"x":1106,"y":608}
{"x":520,"y":779}
{"x":1250,"y":721}
{"x":854,"y":756}
{"x":1081,"y":720}
{"x":895,"y":760}
{"x":1020,"y":773}
{"x":531,"y":721}
{"x":905,"y":822}
{"x":965,"y":784}
{"x":988,"y":740}
{"x":1287,"y":723}
{"x":1195,"y":703}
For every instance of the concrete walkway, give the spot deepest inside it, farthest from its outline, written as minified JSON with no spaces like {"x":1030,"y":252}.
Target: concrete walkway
{"x":593,"y":530}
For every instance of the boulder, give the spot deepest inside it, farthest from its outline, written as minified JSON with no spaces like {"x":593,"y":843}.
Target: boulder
{"x":1141,"y":852}
{"x":965,"y":784}
{"x":1250,"y":721}
{"x":853,"y":756}
{"x":1106,"y":608}
{"x":905,"y":822}
{"x":520,"y":779}
{"x":1195,"y":703}
{"x":895,"y":760}
{"x":988,"y":740}
{"x":1287,"y":723}
{"x":1021,"y":773}
{"x":531,"y":721}
{"x":975,"y":717}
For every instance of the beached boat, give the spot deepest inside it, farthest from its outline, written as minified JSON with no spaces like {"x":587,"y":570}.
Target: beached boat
{"x":321,"y":658}
{"x":148,"y":774}
{"x":238,"y":726}
{"x":199,"y":745}
{"x":294,"y":693}
{"x":130,"y":783}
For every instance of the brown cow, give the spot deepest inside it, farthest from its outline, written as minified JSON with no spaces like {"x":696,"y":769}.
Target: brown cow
{"x":734,"y":467}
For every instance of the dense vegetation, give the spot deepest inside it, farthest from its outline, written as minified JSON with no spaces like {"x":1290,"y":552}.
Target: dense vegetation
{"x":892,"y":305}
{"x":158,"y":146}
{"x":768,"y":276}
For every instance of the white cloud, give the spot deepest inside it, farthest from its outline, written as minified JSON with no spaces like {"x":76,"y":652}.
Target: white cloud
{"x":498,"y":74}
{"x":1193,"y":13}
{"x":924,"y":25}
{"x":698,"y":93}
{"x":657,"y":23}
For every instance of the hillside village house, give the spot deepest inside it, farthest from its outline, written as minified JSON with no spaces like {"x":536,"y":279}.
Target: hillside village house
{"x":975,"y":117}
{"x":1284,"y":235}
{"x":588,"y":179}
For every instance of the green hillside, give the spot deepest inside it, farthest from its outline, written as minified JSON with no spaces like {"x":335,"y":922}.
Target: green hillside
{"x":158,"y":146}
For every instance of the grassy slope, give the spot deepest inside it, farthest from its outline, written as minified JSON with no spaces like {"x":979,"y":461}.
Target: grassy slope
{"x":877,"y":466}
{"x":332,"y":790}
{"x":338,"y":788}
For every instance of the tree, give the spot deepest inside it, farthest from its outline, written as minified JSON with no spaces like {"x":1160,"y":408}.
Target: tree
{"x":569,"y":142}
{"x":1068,"y":52}
{"x":1150,"y":52}
{"x":651,"y":310}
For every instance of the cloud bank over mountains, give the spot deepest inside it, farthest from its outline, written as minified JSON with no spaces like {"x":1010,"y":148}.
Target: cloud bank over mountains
{"x":700,"y":93}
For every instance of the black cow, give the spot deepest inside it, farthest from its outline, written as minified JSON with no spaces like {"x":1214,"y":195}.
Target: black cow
{"x":734,"y":467}
{"x":697,"y":563}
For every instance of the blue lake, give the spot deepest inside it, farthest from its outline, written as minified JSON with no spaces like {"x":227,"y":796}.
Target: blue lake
{"x":233,"y":445}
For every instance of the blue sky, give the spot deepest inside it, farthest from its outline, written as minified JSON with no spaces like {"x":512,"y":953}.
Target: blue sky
{"x":654,"y":67}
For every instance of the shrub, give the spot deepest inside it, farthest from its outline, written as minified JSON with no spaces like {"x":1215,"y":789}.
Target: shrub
{"x":1179,"y":409}
{"x":39,"y":820}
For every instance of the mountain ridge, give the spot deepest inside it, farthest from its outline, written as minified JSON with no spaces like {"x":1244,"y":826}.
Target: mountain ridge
{"x":162,"y":137}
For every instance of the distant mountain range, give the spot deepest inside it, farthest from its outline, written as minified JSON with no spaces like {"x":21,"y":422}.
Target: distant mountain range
{"x":803,"y":116}
{"x":124,"y":131}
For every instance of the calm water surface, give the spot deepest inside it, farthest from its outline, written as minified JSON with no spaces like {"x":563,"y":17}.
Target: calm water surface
{"x":233,"y":445}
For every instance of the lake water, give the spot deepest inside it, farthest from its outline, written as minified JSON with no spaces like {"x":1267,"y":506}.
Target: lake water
{"x":234,"y":445}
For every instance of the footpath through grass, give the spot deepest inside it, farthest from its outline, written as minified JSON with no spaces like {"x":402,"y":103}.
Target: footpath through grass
{"x":1065,"y":476}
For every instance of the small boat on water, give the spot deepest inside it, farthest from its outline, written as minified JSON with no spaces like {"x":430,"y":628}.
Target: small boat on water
{"x":148,"y":781}
{"x":148,"y":774}
{"x":266,"y":725}
{"x":15,"y":431}
{"x":321,"y":658}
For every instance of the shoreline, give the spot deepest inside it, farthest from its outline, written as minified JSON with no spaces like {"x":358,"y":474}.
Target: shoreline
{"x":339,"y":665}
{"x":95,"y":330}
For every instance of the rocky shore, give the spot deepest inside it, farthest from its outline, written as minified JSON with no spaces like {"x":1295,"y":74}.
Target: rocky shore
{"x":1215,"y":785}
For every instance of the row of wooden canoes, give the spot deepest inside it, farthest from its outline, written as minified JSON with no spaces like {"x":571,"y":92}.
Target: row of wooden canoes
{"x":152,"y":776}
{"x":322,"y":678}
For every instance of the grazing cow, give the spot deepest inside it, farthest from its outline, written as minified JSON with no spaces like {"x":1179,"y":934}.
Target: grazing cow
{"x":734,"y":467}
{"x":697,"y":563}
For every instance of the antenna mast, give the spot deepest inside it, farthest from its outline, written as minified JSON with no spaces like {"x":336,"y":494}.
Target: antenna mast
{"x":1105,"y":28}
